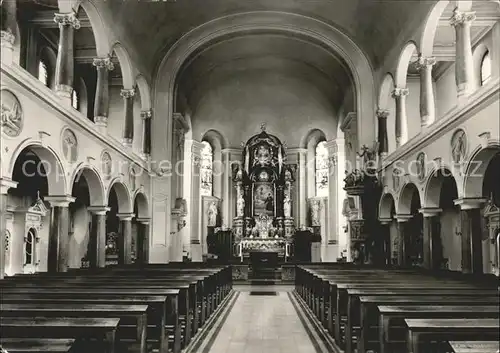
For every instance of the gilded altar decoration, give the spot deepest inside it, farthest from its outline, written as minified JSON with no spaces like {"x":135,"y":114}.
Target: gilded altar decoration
{"x":315,"y":216}
{"x":12,"y":114}
{"x":421,"y":162}
{"x":69,"y":145}
{"x":458,"y":146}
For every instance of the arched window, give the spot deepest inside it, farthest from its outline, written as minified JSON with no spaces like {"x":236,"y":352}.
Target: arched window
{"x":321,"y":169}
{"x":485,"y":68}
{"x":29,"y":246}
{"x":206,"y":172}
{"x":43,"y":74}
{"x":75,"y":102}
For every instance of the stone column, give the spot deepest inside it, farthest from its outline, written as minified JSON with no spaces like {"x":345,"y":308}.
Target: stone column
{"x":98,"y":236}
{"x":65,"y":54}
{"x":470,"y":220}
{"x":383,"y":139}
{"x":431,"y":255}
{"x":128,"y":127}
{"x":101,"y":105}
{"x":146,"y":116}
{"x":399,"y":94}
{"x":192,"y":195}
{"x":403,"y":251}
{"x":5,"y":185}
{"x":427,"y":105}
{"x":143,"y":241}
{"x":58,"y":232}
{"x":125,"y":240}
{"x":464,"y":67}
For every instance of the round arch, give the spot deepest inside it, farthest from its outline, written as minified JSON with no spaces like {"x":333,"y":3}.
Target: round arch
{"x":51,"y":162}
{"x":404,"y":62}
{"x":125,"y":65}
{"x":298,"y":25}
{"x":477,"y":60}
{"x":122,"y":194}
{"x":476,"y":169}
{"x":430,"y":27}
{"x":142,"y":204}
{"x":385,"y":91}
{"x":433,"y":185}
{"x":96,"y":22}
{"x":406,"y":198}
{"x":145,"y":92}
{"x":386,"y":207}
{"x":94,"y":181}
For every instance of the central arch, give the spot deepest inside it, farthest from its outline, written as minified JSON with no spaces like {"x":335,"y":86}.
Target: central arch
{"x":311,"y":30}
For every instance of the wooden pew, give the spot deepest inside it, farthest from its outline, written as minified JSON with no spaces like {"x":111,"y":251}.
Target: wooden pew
{"x":32,"y":345}
{"x":391,"y":315}
{"x":41,"y":327}
{"x":369,"y":314}
{"x":136,"y":312}
{"x":185,"y":305}
{"x":171,"y":316}
{"x":359,"y":318}
{"x":421,"y":331}
{"x":474,"y":346}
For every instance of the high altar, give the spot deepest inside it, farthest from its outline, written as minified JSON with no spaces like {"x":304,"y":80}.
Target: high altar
{"x":263,"y":221}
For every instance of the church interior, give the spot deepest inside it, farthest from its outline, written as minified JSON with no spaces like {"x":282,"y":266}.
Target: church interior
{"x":212,"y":176}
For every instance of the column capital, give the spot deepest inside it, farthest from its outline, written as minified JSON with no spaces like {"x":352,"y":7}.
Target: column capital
{"x":382,"y":113}
{"x":105,"y":63}
{"x":147,"y":114}
{"x":470,"y":203}
{"x":6,"y":184}
{"x":403,"y":218}
{"x":59,"y":200}
{"x":400,"y":92}
{"x":430,"y":211}
{"x":127,"y":93}
{"x":424,"y":62}
{"x":98,"y":210}
{"x":125,"y":216}
{"x":462,"y":17}
{"x":67,"y":19}
{"x":8,"y":37}
{"x":196,"y":147}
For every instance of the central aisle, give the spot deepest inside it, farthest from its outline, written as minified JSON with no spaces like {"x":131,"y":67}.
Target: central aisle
{"x":261,"y":322}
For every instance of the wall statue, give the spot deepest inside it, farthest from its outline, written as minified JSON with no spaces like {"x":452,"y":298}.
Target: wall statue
{"x":212,"y":214}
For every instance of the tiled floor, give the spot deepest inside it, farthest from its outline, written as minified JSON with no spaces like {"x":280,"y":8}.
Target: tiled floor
{"x":261,"y":324}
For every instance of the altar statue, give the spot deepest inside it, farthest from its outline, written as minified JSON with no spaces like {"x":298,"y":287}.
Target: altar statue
{"x":287,"y":206}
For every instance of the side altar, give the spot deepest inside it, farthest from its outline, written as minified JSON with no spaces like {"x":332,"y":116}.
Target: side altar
{"x":263,"y":182}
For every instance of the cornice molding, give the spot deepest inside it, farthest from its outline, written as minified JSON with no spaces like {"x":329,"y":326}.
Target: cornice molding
{"x":447,"y":123}
{"x":68,"y":114}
